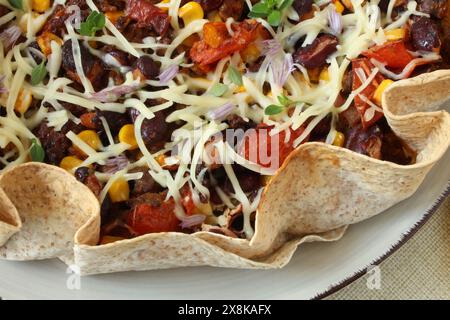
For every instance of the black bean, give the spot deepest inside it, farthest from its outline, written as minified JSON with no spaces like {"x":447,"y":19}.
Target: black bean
{"x":148,"y":67}
{"x":316,"y":54}
{"x":302,"y":6}
{"x":82,"y":173}
{"x":425,"y":34}
{"x":367,"y":142}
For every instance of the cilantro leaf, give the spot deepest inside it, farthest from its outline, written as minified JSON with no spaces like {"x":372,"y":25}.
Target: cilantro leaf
{"x":37,"y":153}
{"x":94,"y":22}
{"x":16,"y":4}
{"x":38,"y":74}
{"x":219,"y":89}
{"x":235,"y":76}
{"x":273,"y":109}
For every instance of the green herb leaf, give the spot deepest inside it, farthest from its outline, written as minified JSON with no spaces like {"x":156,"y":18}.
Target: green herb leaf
{"x":273,"y":109}
{"x":283,"y":100}
{"x":38,"y":74}
{"x":16,"y":4}
{"x":219,"y":89}
{"x":261,"y":8}
{"x":235,"y":76}
{"x":37,"y":152}
{"x":94,"y":22}
{"x":274,"y":18}
{"x":281,"y":5}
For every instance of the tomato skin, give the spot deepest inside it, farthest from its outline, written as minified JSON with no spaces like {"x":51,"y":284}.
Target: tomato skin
{"x":204,"y":55}
{"x":260,"y":137}
{"x":368,"y":92}
{"x":393,"y":53}
{"x":147,"y":14}
{"x":154,"y":217}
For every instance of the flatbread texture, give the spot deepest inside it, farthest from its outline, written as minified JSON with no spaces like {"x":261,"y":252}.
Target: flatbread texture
{"x":315,"y":195}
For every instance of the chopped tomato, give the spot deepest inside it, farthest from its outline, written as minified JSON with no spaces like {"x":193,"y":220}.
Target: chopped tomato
{"x":157,"y":216}
{"x":362,"y":106}
{"x":209,"y":51}
{"x":88,"y":120}
{"x":187,"y":200}
{"x":269,"y":151}
{"x":393,"y":53}
{"x":148,"y":15}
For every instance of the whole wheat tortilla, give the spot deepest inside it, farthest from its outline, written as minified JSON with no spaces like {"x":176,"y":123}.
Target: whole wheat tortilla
{"x":318,"y":191}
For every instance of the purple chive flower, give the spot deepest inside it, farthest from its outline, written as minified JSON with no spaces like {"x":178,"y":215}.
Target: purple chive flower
{"x":113,"y":165}
{"x":334,"y":20}
{"x":221,"y":112}
{"x":281,"y":69}
{"x":192,"y":221}
{"x":2,"y":88}
{"x":10,"y":36}
{"x":168,"y":74}
{"x":114,"y":93}
{"x":271,"y":47}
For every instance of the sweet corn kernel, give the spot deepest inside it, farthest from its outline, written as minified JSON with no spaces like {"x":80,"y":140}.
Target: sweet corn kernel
{"x":381,"y":88}
{"x":348,"y":4}
{"x":70,"y":162}
{"x":23,"y":101}
{"x":240,"y":89}
{"x":214,"y":17}
{"x":113,"y":16}
{"x":119,"y":190}
{"x":126,"y":135}
{"x":339,"y":7}
{"x":44,"y":41}
{"x":324,"y":75}
{"x":395,"y":34}
{"x":339,"y":139}
{"x":191,"y":11}
{"x":110,"y":239}
{"x":161,"y":159}
{"x":91,"y":138}
{"x":40,"y":5}
{"x":251,"y":53}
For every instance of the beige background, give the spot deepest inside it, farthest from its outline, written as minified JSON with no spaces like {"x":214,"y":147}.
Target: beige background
{"x":420,"y":269}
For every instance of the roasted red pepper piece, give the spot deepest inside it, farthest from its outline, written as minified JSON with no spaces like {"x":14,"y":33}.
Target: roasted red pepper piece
{"x":269,"y":151}
{"x":205,"y":55}
{"x":148,"y":15}
{"x":393,"y":53}
{"x":157,"y":216}
{"x":368,"y":92}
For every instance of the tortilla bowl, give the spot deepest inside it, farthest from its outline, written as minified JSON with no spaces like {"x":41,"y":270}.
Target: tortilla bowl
{"x":314,"y":196}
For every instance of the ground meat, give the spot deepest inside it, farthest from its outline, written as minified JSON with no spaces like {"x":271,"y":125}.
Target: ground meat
{"x":315,"y":54}
{"x":93,"y":67}
{"x":76,"y":110}
{"x":248,"y":180}
{"x":425,"y":34}
{"x":110,"y":5}
{"x":233,"y":9}
{"x":145,"y":184}
{"x":436,"y":8}
{"x":147,"y":14}
{"x":55,"y":143}
{"x":302,"y":6}
{"x":56,"y":22}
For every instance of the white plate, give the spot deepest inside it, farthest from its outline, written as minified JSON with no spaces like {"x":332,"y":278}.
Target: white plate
{"x":315,"y":269}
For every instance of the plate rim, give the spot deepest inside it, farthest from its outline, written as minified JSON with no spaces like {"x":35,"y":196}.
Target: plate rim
{"x":405,"y":237}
